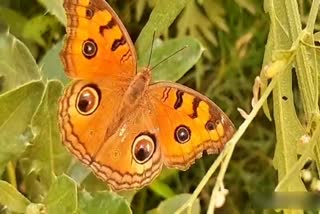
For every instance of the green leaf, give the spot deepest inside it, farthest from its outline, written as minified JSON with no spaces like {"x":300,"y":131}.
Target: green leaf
{"x":79,"y":172}
{"x":139,"y":8}
{"x":289,"y":130}
{"x":12,"y":198}
{"x":176,"y":66}
{"x":287,"y":124}
{"x":91,"y":183}
{"x":216,"y":14}
{"x":160,"y":19}
{"x":17,"y":66}
{"x":249,"y":6}
{"x":103,"y":202}
{"x":55,"y":7}
{"x":62,"y":197}
{"x":162,"y":189}
{"x":35,"y":209}
{"x":13,"y":19}
{"x":172,"y":204}
{"x":51,"y":65}
{"x":16,"y":110}
{"x":46,"y":155}
{"x":195,"y":23}
{"x":37,"y":27}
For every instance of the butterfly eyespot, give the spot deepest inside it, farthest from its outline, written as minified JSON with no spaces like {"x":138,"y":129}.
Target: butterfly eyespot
{"x":143,"y":148}
{"x":218,"y":122}
{"x":89,"y":48}
{"x":89,"y":13}
{"x":210,"y":125}
{"x":182,"y":134}
{"x":88,"y":100}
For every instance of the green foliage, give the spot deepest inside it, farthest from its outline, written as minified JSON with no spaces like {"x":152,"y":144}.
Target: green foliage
{"x":17,"y":64}
{"x":175,"y":67}
{"x":46,"y":157}
{"x":200,"y":24}
{"x":12,"y":198}
{"x":35,"y":29}
{"x":222,"y":46}
{"x":55,"y":8}
{"x":62,"y":196}
{"x":102,"y":202}
{"x":50,"y":64}
{"x":16,"y":20}
{"x":172,"y":204}
{"x":17,"y":108}
{"x":160,"y":19}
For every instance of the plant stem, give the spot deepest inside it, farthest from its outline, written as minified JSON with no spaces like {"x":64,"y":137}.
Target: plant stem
{"x":302,"y":160}
{"x":12,"y":174}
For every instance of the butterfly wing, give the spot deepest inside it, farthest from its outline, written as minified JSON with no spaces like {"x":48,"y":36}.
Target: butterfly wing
{"x":189,"y":124}
{"x":97,"y":43}
{"x":173,"y":126}
{"x":85,"y":111}
{"x":131,"y":158}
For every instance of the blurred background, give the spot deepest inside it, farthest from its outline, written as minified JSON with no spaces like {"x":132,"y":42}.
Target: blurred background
{"x":234,"y":34}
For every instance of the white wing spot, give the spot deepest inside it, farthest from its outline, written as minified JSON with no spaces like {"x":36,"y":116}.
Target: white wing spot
{"x":122,"y":130}
{"x":222,"y":119}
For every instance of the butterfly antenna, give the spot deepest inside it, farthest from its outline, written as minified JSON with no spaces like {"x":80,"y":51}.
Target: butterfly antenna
{"x":171,"y":55}
{"x":153,"y":36}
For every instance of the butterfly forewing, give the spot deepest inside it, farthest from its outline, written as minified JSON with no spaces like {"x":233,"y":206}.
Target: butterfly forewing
{"x":97,"y":44}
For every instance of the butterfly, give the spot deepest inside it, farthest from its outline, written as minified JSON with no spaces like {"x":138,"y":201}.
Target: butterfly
{"x":114,"y":119}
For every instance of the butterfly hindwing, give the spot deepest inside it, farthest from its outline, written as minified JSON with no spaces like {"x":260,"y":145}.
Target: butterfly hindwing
{"x":189,"y":124}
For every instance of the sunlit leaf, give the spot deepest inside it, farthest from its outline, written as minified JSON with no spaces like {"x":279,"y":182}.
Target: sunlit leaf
{"x":12,"y":198}
{"x":51,"y":65}
{"x":62,"y":197}
{"x":196,"y":24}
{"x":287,"y":123}
{"x":35,"y":209}
{"x":216,"y":13}
{"x":78,"y":172}
{"x":177,"y":65}
{"x":140,"y":6}
{"x":172,"y":204}
{"x":17,"y":66}
{"x":162,"y":189}
{"x":13,"y":19}
{"x":248,"y":5}
{"x":93,"y":184}
{"x":16,"y":110}
{"x":160,"y":19}
{"x":37,"y":27}
{"x":47,"y":155}
{"x":103,"y":202}
{"x":55,"y":7}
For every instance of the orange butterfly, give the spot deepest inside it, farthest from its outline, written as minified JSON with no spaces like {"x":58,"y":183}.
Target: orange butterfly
{"x":117,"y":122}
